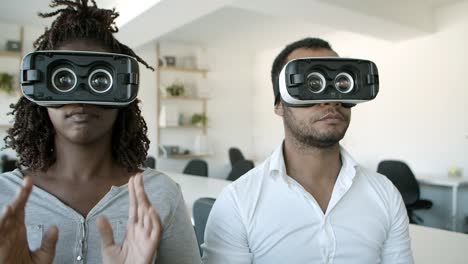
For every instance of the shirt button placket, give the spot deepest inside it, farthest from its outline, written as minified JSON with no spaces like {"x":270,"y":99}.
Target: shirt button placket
{"x":80,"y":257}
{"x":323,"y":232}
{"x":330,"y":240}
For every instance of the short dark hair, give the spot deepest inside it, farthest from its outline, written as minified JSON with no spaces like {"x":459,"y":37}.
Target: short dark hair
{"x":281,"y":59}
{"x":32,"y":134}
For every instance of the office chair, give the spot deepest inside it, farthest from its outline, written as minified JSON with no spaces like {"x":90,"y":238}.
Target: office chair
{"x":196,"y":167}
{"x":201,"y":211}
{"x":400,"y":174}
{"x":150,"y":162}
{"x":8,"y":164}
{"x":240,"y":168}
{"x":235,"y":155}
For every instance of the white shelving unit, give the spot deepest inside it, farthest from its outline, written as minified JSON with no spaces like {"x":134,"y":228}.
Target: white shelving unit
{"x":189,"y":130}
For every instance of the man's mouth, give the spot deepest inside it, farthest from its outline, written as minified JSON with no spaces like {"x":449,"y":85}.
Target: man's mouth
{"x":332,"y":116}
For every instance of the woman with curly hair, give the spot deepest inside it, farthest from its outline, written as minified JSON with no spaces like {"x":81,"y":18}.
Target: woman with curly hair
{"x":82,"y":196}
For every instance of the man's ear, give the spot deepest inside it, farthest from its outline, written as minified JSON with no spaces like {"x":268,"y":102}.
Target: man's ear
{"x":279,"y":110}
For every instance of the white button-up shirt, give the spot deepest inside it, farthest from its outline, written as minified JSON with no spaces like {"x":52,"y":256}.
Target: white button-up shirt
{"x":266,"y":217}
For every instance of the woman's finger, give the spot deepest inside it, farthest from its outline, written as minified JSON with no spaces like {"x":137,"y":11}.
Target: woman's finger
{"x":6,"y":213}
{"x":147,"y":224}
{"x":20,"y":202}
{"x":49,"y":241}
{"x":106,"y":234}
{"x":156,"y":224}
{"x":141,"y":215}
{"x":140,"y":192}
{"x":132,"y":207}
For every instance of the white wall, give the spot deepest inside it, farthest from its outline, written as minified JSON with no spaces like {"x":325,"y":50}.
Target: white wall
{"x":229,"y":88}
{"x":230,"y":106}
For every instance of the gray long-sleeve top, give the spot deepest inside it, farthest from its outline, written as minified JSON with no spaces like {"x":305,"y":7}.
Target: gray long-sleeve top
{"x":79,"y":240}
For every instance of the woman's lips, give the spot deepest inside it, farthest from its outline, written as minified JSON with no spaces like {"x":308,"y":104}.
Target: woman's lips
{"x":80,"y":118}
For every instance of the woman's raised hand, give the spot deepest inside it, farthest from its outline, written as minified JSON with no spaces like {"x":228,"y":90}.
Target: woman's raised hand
{"x":13,"y":239}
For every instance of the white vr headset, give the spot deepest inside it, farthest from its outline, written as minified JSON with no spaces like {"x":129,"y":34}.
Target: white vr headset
{"x":309,"y":81}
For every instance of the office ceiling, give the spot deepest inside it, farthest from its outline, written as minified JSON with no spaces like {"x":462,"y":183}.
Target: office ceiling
{"x":362,"y":3}
{"x":254,"y":30}
{"x":260,"y":22}
{"x":205,"y":21}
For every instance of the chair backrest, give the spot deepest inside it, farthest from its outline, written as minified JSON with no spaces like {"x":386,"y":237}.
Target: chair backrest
{"x":196,"y":167}
{"x":7,"y":164}
{"x":201,"y":211}
{"x":400,"y":174}
{"x":240,"y":168}
{"x":150,"y":162}
{"x":235,"y":155}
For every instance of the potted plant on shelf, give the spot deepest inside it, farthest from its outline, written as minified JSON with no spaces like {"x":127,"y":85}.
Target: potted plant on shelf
{"x":176,"y":89}
{"x":6,"y":83}
{"x":199,"y":119}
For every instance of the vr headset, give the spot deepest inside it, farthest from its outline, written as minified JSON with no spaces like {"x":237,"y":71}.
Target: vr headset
{"x":309,"y":81}
{"x":55,"y":78}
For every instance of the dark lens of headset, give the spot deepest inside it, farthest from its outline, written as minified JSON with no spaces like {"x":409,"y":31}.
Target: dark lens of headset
{"x":316,"y":82}
{"x":344,"y":83}
{"x":64,"y":80}
{"x":100,"y":81}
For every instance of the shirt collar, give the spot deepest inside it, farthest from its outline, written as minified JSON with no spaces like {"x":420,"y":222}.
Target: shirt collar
{"x":277,"y":167}
{"x":348,"y":166}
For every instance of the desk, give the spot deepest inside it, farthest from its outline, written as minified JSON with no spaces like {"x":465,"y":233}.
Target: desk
{"x":194,"y":187}
{"x":451,"y":182}
{"x":435,"y":246}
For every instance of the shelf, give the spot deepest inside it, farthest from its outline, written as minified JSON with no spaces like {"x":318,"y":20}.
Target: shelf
{"x":188,"y":98}
{"x":185,"y":156}
{"x":183,"y":69}
{"x":11,"y":54}
{"x":196,"y":104}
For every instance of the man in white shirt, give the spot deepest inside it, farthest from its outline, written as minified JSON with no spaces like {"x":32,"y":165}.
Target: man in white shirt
{"x":309,"y":202}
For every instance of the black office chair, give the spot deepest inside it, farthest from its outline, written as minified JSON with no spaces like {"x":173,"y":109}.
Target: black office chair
{"x":201,"y":211}
{"x":240,"y":168}
{"x":8,"y":164}
{"x":400,"y":174}
{"x":150,"y":162}
{"x":196,"y":167}
{"x":235,"y":155}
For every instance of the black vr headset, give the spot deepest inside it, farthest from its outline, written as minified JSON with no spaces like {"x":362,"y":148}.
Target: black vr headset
{"x":309,"y":81}
{"x":54,"y":78}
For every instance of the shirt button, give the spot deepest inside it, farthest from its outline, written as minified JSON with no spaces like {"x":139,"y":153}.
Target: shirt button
{"x":79,"y":258}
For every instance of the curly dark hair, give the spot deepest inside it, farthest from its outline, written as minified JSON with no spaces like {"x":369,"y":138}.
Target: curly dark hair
{"x":32,"y":134}
{"x":281,"y":59}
